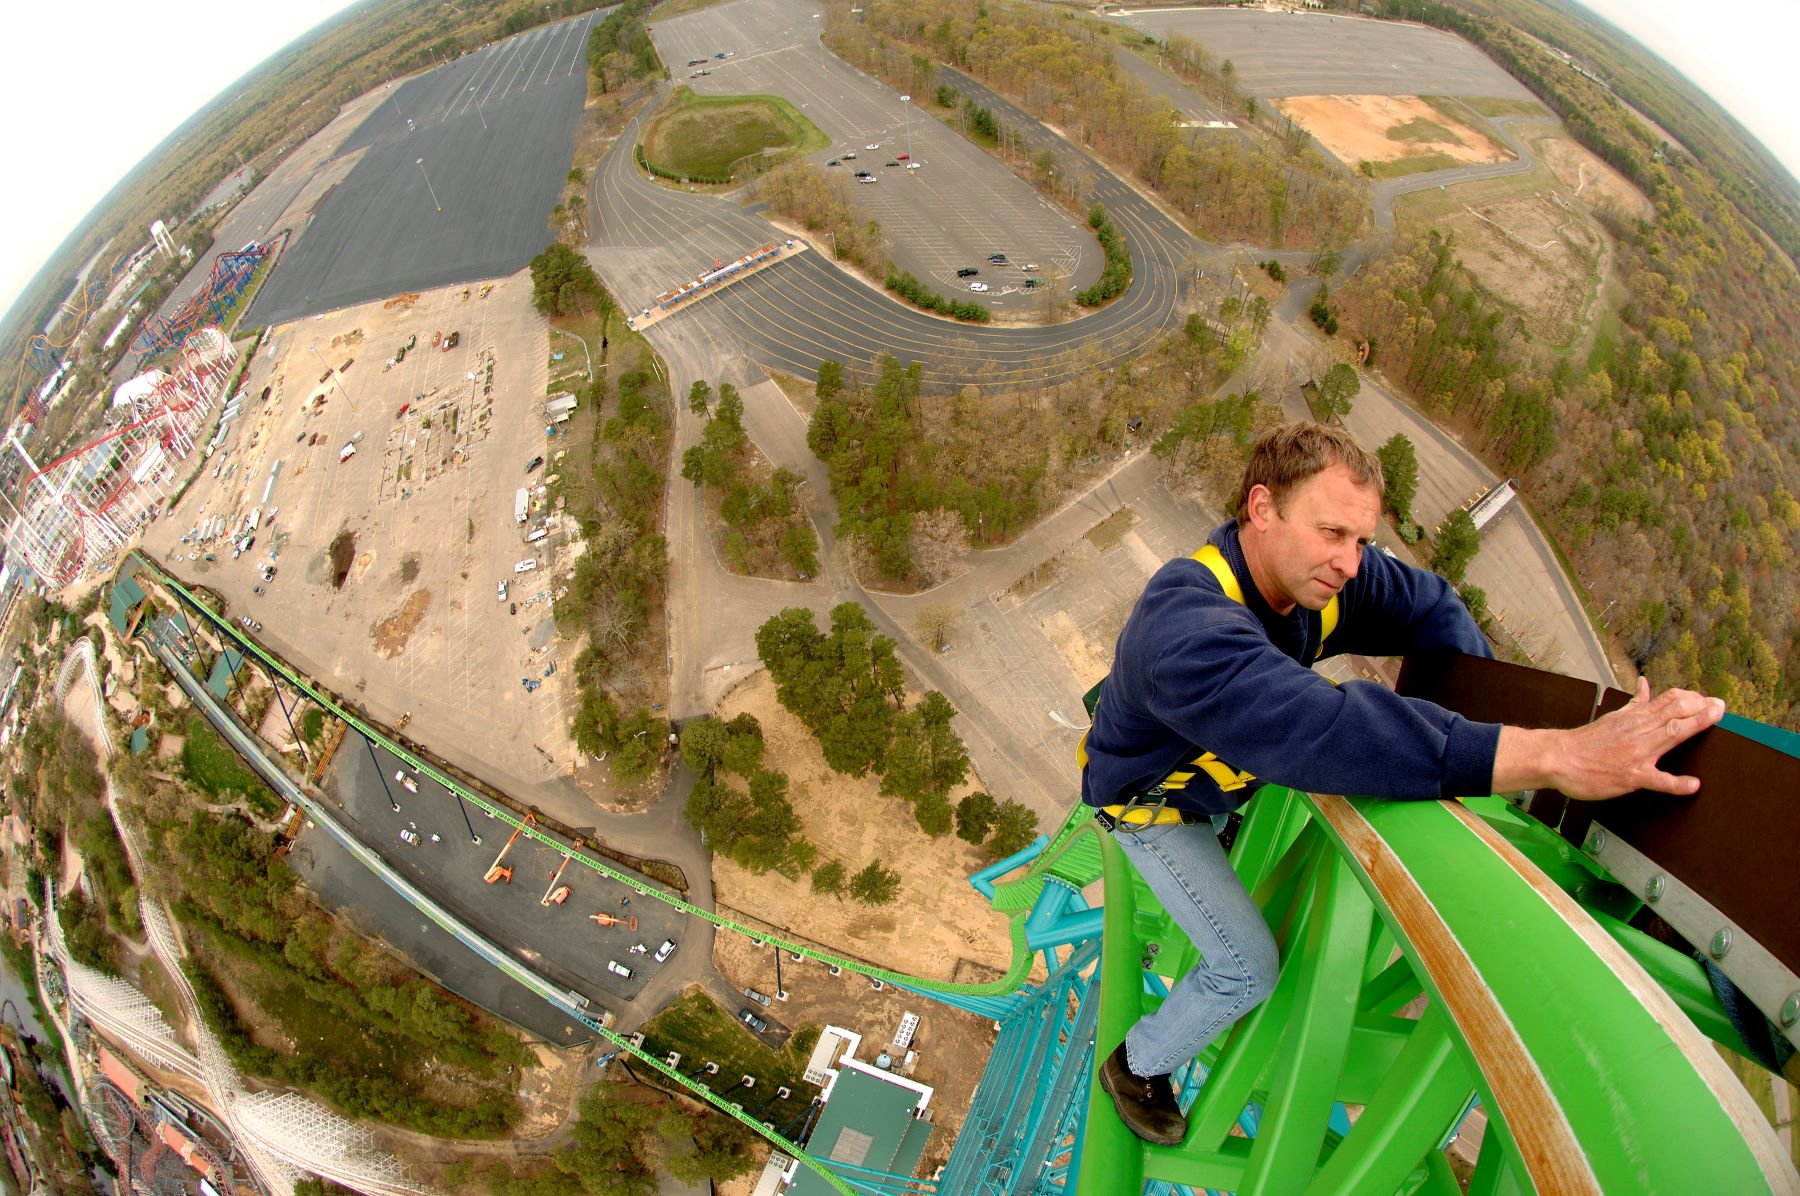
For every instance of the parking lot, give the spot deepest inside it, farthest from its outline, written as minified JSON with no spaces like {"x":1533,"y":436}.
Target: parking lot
{"x":958,"y":207}
{"x":425,"y":508}
{"x":428,"y":841}
{"x":1303,"y":54}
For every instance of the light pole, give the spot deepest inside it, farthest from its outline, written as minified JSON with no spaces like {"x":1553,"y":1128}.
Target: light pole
{"x":429,"y":187}
{"x":478,"y":111}
{"x":906,"y":122}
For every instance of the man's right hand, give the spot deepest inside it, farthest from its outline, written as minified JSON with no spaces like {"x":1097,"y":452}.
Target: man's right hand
{"x":1613,"y":755}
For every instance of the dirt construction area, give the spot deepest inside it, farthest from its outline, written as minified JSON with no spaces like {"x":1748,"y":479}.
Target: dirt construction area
{"x":1536,"y":253}
{"x":390,"y":519}
{"x":1389,"y":129}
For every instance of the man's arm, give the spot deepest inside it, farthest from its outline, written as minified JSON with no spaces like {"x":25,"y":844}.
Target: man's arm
{"x":1613,"y":755}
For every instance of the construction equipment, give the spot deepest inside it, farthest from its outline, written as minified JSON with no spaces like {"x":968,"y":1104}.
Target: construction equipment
{"x":608,"y":920}
{"x":497,"y":871}
{"x":553,"y":893}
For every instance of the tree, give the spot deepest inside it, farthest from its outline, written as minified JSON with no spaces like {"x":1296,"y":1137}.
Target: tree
{"x":875,"y":885}
{"x":975,"y":816}
{"x":640,"y":737}
{"x":611,"y":1151}
{"x":830,"y":878}
{"x":1399,"y":475}
{"x":1457,"y":545}
{"x":831,"y":380}
{"x":699,"y":395}
{"x":722,"y":1151}
{"x":1337,"y":389}
{"x":703,"y":743}
{"x":935,"y":815}
{"x":935,"y":624}
{"x":563,"y":284}
{"x":1015,"y":826}
{"x":1475,"y":598}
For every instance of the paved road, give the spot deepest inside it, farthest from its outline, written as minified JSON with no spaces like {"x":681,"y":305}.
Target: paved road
{"x":459,"y":170}
{"x":803,"y":310}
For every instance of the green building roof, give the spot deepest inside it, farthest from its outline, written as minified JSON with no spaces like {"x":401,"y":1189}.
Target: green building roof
{"x":224,"y":665}
{"x":867,"y":1123}
{"x":126,"y":594}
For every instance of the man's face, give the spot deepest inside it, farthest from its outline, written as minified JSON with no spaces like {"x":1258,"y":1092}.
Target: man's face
{"x":1309,"y":551}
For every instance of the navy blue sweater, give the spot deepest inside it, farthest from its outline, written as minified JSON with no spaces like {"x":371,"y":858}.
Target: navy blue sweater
{"x":1196,"y":671}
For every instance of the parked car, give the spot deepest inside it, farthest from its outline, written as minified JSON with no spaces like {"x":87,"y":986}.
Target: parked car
{"x":903,"y":157}
{"x":914,"y":165}
{"x":999,"y":259}
{"x":1030,"y":267}
{"x":406,"y":782}
{"x":696,"y":62}
{"x":503,"y":591}
{"x":667,"y":949}
{"x":833,"y":162}
{"x":526,"y":565}
{"x":618,"y":969}
{"x":967,"y":272}
{"x":256,"y":590}
{"x":850,"y":156}
{"x":749,"y":1018}
{"x":700,"y":72}
{"x":532,"y":465}
{"x":760,"y":998}
{"x":868,"y":178}
{"x":892,"y":162}
{"x":409,"y":836}
{"x":873,"y":145}
{"x":978,"y":286}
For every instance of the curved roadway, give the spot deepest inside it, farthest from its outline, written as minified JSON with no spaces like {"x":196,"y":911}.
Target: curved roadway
{"x":804,"y":310}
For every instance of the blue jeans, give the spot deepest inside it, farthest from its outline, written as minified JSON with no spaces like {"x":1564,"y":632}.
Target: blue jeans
{"x":1187,"y":870}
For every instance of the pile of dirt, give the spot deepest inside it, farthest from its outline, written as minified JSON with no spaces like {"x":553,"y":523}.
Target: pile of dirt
{"x":392,"y":633}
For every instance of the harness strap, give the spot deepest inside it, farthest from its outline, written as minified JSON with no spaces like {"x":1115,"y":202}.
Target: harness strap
{"x":1227,"y":778}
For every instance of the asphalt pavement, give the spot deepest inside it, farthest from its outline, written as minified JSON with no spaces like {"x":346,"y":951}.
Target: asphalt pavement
{"x":428,"y":841}
{"x":460,"y":169}
{"x":1305,"y":54}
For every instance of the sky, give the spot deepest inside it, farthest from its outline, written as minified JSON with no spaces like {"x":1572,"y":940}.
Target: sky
{"x":91,"y":87}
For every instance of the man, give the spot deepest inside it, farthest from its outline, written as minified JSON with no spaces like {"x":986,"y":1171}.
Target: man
{"x":1212,"y":694}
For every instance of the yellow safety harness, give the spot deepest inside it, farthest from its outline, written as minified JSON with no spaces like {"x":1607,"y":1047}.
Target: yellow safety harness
{"x":1134,"y":815}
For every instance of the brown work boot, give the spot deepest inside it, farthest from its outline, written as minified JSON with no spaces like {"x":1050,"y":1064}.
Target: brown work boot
{"x":1145,"y":1104}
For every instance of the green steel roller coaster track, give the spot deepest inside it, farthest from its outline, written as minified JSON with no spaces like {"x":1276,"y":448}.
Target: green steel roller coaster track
{"x":1435,"y":955}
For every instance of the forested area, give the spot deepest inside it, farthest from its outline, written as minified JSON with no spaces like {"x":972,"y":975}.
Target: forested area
{"x":768,"y":533}
{"x":624,"y":1140}
{"x":357,"y":1026}
{"x":820,"y":203}
{"x":1060,"y":69}
{"x":612,"y":487}
{"x":920,"y":477}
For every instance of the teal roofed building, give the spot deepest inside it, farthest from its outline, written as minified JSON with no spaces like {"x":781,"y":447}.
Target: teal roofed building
{"x":225,"y":665}
{"x":126,"y":594}
{"x":873,"y":1121}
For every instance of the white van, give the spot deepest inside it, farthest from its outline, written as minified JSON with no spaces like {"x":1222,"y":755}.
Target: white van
{"x":618,"y":969}
{"x":537,"y":535}
{"x":526,"y":565}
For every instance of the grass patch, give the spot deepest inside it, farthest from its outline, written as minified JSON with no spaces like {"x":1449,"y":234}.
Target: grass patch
{"x":680,"y":8}
{"x":801,"y":393}
{"x":1109,"y":531}
{"x":1419,"y":130}
{"x":1411,"y":164}
{"x":219,"y":771}
{"x":312,"y":724}
{"x":1496,"y":106}
{"x":703,"y":1032}
{"x":704,"y":137}
{"x":1606,"y":340}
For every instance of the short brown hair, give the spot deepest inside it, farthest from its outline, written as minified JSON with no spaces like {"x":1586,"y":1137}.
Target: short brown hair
{"x":1288,"y":455}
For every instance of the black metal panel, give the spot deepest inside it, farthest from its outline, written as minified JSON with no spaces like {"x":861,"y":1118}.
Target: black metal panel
{"x":1733,"y":843}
